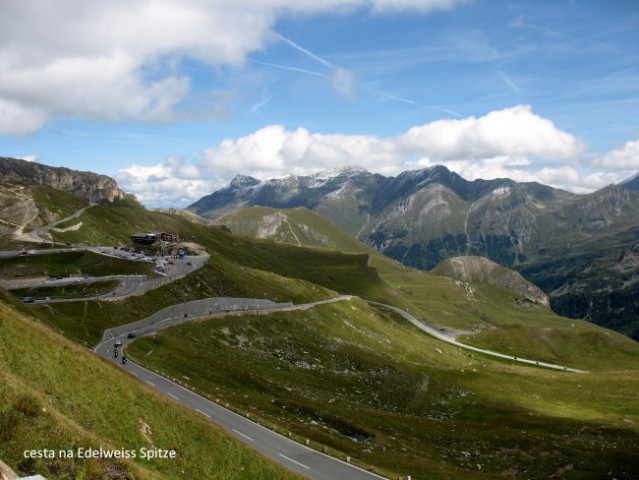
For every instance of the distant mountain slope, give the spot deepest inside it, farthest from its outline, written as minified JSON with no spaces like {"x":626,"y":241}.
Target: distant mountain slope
{"x":482,"y":270}
{"x":299,"y":226}
{"x":341,"y":195}
{"x":422,"y":217}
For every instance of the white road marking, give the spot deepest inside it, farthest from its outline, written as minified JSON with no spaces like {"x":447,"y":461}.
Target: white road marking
{"x":172,"y":396}
{"x":294,"y":461}
{"x":150,"y":383}
{"x":205,"y":414}
{"x":243,"y":435}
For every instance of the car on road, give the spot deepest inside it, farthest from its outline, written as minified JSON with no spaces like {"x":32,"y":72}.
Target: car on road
{"x":131,"y":335}
{"x":28,"y":300}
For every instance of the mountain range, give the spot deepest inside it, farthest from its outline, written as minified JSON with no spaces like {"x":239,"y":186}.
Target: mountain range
{"x":582,"y":250}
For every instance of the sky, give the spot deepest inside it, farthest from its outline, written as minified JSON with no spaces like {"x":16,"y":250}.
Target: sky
{"x":173,"y":98}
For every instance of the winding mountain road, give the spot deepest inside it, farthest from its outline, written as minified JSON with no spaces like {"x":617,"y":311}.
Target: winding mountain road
{"x":292,"y":455}
{"x":284,"y":451}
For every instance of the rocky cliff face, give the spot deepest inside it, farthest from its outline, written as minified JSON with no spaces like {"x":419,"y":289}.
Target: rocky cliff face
{"x":90,"y":186}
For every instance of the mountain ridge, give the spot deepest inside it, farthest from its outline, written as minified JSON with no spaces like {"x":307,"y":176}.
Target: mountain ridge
{"x":87,"y":185}
{"x":422,"y":217}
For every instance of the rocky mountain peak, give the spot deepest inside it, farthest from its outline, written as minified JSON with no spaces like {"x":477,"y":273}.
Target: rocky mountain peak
{"x":243,"y":182}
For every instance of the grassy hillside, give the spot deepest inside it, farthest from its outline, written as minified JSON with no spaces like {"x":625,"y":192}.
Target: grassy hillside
{"x":31,"y":206}
{"x":243,"y":266}
{"x":364,"y":382}
{"x":71,"y":263}
{"x":74,"y":290}
{"x":55,"y":204}
{"x":56,"y":395}
{"x":508,"y":321}
{"x":298,"y":226}
{"x":86,"y":320}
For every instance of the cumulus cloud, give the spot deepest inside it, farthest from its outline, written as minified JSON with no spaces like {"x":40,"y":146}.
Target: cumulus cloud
{"x":512,"y":131}
{"x":273,"y":151}
{"x":116,"y":60}
{"x":169,"y":184}
{"x":625,"y":157}
{"x":513,"y":143}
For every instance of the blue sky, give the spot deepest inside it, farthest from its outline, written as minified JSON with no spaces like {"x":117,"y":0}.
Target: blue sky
{"x":173,"y":98}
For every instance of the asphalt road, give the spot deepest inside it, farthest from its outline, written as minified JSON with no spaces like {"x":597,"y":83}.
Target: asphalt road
{"x":284,"y":451}
{"x":35,"y":234}
{"x":441,"y":336}
{"x":129,"y":284}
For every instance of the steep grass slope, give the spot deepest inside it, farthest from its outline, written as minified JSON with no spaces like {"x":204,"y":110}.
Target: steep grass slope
{"x":56,"y":395}
{"x":298,"y":226}
{"x":24,"y":207}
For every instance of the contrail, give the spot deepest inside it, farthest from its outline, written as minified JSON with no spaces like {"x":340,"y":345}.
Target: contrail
{"x":336,"y":70}
{"x":292,"y":69}
{"x":416,"y":104}
{"x":305,"y":51}
{"x":260,"y":104}
{"x":508,"y":81}
{"x":398,"y":99}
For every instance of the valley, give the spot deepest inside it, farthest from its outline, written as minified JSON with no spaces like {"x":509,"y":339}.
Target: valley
{"x":330,"y":368}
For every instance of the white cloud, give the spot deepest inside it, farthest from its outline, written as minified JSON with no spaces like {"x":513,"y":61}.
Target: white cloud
{"x":273,"y":151}
{"x":417,"y":5}
{"x":170,"y":184}
{"x":513,"y":143}
{"x":116,"y":60}
{"x":31,"y":158}
{"x":512,"y":131}
{"x":625,"y":157}
{"x":504,"y":137}
{"x":16,"y":119}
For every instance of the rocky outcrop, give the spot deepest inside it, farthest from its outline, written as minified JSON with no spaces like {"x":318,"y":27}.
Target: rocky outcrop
{"x":87,"y":185}
{"x":481,"y":270}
